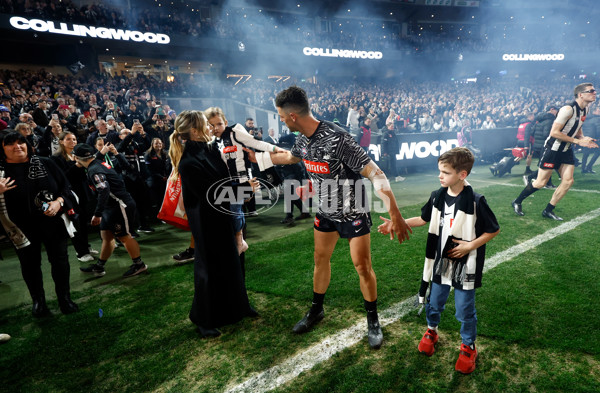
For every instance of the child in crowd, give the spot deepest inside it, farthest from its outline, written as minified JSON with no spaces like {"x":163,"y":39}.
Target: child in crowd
{"x":460,"y":224}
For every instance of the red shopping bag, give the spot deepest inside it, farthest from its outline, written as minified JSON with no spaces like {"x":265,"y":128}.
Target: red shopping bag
{"x":172,"y":211}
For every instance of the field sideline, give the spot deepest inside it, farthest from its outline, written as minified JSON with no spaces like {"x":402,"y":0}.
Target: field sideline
{"x":536,"y":310}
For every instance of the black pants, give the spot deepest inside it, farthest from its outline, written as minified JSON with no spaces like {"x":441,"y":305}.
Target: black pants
{"x":54,"y":238}
{"x":139,"y":191}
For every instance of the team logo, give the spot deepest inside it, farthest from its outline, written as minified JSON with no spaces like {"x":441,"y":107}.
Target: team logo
{"x":548,"y":165}
{"x":304,"y":151}
{"x":356,"y":223}
{"x":316,"y":167}
{"x":106,"y":164}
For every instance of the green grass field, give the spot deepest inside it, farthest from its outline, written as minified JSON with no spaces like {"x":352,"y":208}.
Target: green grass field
{"x":537,"y":312}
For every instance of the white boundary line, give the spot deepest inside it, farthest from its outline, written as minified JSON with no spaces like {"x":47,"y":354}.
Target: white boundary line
{"x":322,"y":351}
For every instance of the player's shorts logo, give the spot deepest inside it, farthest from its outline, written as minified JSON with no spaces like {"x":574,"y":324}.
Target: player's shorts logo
{"x":356,"y":223}
{"x":317,"y":222}
{"x":316,"y":167}
{"x":548,"y":165}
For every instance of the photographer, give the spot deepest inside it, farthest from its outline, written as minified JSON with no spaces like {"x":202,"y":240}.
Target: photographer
{"x":157,"y":126}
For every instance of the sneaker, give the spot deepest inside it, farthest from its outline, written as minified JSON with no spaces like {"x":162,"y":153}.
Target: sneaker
{"x":287,"y":220}
{"x":184,"y":256}
{"x":303,"y":216}
{"x":466,"y":359}
{"x":98,"y":270}
{"x":399,"y":178}
{"x":86,"y":258}
{"x":135,"y":269}
{"x":517,"y":208}
{"x":306,"y":323}
{"x":549,"y":186}
{"x":4,"y":337}
{"x":427,"y":344}
{"x":133,"y":234}
{"x":145,"y":229}
{"x":91,"y":251}
{"x":551,"y":215}
{"x":374,"y":333}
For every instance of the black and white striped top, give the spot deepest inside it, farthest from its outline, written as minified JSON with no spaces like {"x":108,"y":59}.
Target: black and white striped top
{"x":572,"y":116}
{"x":333,"y":161}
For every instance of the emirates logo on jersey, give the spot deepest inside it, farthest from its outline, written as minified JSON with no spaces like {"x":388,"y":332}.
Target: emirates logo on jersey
{"x":230,"y":149}
{"x":316,"y":167}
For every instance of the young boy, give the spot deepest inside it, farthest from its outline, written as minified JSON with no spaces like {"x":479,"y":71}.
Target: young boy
{"x":460,"y":224}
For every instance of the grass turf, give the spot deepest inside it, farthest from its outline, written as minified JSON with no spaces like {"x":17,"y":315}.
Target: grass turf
{"x":536,"y":315}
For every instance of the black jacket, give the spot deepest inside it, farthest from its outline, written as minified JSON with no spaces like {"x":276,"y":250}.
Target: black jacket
{"x":108,"y":185}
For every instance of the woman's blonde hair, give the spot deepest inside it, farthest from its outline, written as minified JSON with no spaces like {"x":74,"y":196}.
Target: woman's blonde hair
{"x":184,"y":123}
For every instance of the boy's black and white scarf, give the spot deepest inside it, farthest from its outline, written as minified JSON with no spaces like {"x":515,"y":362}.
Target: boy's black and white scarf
{"x":463,"y":228}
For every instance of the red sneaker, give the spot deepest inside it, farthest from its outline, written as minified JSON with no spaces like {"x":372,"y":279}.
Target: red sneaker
{"x":466,"y":359}
{"x":427,"y":344}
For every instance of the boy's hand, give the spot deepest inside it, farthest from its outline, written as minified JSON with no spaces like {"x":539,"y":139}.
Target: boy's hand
{"x":461,"y":250}
{"x":395,"y":228}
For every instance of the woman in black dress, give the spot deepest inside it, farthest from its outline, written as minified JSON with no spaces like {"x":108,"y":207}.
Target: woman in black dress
{"x":220,"y":296}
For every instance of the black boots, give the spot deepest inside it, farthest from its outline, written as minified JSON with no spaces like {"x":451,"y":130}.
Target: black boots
{"x":40,"y":309}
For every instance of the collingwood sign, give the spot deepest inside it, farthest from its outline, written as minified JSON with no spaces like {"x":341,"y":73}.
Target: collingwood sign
{"x":87,"y":31}
{"x":533,"y":57}
{"x":349,"y":54}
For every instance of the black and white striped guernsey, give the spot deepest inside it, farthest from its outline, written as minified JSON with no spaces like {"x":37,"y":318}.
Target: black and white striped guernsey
{"x":575,"y":116}
{"x":333,"y":161}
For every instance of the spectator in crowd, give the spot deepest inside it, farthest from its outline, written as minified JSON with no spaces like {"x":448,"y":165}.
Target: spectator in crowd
{"x":25,"y":130}
{"x":389,"y":148}
{"x":270,"y":137}
{"x":103,"y":132}
{"x":352,"y":119}
{"x":159,"y":167}
{"x":157,"y":127}
{"x":49,"y":142}
{"x":41,"y":114}
{"x":76,"y":176}
{"x":365,"y":135}
{"x":488,"y":123}
{"x":133,"y":145}
{"x":37,"y":195}
{"x":82,"y":129}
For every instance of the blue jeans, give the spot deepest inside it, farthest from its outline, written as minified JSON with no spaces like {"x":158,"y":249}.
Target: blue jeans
{"x":238,"y":217}
{"x":464,"y":302}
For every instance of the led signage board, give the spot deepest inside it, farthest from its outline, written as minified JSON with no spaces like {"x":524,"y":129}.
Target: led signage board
{"x":42,"y":26}
{"x":533,"y":57}
{"x":343,"y":53}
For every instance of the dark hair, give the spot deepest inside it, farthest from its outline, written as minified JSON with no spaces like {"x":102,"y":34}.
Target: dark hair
{"x":459,"y":158}
{"x":580,"y":88}
{"x":293,"y":99}
{"x":11,"y":138}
